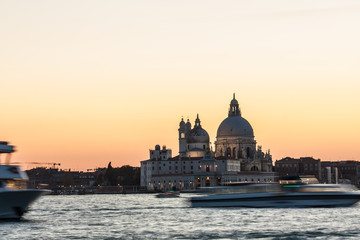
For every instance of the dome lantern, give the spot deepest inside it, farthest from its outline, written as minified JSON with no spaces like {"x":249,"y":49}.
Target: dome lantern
{"x":234,"y":108}
{"x":197,"y":122}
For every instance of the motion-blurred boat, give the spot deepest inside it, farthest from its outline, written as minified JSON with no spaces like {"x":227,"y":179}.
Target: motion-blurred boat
{"x":279,"y":195}
{"x":170,"y":194}
{"x":14,"y":197}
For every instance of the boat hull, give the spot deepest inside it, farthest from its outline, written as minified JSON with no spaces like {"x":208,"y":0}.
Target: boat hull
{"x":13,"y":204}
{"x":277,"y":200}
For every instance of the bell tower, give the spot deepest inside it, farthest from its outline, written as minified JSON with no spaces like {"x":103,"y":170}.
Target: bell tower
{"x":182,"y":138}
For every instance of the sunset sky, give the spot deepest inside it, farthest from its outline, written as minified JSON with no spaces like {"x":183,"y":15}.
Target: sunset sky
{"x":87,"y":82}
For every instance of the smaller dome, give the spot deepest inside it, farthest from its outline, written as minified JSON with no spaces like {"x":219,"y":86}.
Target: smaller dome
{"x":198,"y":135}
{"x":157,"y":147}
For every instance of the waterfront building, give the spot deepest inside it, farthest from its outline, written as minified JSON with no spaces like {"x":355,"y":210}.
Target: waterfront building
{"x":55,"y":178}
{"x":341,"y":172}
{"x":298,"y":166}
{"x":101,"y":180}
{"x":235,"y":159}
{"x":325,"y":171}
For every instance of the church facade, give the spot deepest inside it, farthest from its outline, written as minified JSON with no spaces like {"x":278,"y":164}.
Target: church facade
{"x":236,"y":157}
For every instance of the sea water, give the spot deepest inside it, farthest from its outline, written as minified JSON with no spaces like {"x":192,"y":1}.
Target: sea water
{"x":143,"y":216}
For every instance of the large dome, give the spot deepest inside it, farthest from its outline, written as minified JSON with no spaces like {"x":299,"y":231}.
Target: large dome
{"x":235,"y":126}
{"x":198,"y":135}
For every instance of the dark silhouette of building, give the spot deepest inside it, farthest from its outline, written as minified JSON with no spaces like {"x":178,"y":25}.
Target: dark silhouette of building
{"x":55,"y":178}
{"x":101,"y":180}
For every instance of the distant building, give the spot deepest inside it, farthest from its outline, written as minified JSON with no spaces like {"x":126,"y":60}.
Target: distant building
{"x":324,"y":171}
{"x":300,"y":166}
{"x":341,"y":172}
{"x":236,"y":158}
{"x":56,"y":178}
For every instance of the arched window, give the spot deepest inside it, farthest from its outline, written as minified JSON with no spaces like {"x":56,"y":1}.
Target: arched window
{"x":254,"y":169}
{"x":234,"y":153}
{"x":221,"y":152}
{"x":247,"y":152}
{"x":207,"y":182}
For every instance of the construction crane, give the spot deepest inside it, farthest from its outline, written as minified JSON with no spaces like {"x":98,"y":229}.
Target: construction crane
{"x":45,"y":163}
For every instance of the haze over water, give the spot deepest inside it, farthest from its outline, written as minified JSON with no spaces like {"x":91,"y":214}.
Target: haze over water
{"x":146,"y":217}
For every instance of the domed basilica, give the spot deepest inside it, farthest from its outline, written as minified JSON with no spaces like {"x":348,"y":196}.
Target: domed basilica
{"x":234,"y":140}
{"x":235,"y":159}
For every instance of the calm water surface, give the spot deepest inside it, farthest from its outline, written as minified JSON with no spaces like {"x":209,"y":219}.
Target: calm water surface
{"x":146,"y":217}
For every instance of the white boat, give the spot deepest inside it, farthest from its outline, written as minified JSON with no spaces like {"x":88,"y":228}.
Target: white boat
{"x":279,"y":196}
{"x":14,"y":197}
